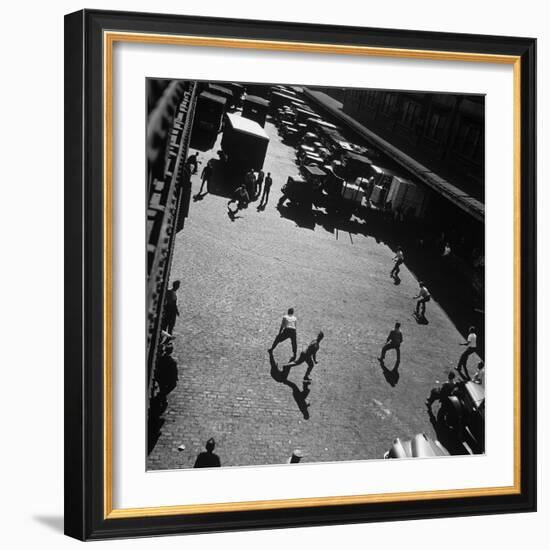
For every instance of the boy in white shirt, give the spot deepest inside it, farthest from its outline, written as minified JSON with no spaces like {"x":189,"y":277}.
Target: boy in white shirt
{"x":423,"y":298}
{"x":398,"y":260}
{"x":287,"y":330}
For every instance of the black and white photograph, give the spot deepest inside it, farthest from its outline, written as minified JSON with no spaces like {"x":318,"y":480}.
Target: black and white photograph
{"x":315,"y":261}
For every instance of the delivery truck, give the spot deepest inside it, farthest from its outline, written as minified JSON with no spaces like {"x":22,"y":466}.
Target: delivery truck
{"x":244,"y":143}
{"x":398,"y":192}
{"x":209,"y":111}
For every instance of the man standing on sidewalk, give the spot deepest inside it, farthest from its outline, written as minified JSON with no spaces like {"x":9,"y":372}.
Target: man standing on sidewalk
{"x":287,"y":330}
{"x":471,"y":343}
{"x":393,"y":341}
{"x":265,"y":194}
{"x":171,"y":310}
{"x":206,"y":176}
{"x":259,"y":181}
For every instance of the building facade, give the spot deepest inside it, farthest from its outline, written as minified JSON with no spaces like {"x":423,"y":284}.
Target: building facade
{"x":446,"y":132}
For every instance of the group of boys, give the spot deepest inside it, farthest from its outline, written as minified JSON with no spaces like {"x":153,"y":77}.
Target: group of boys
{"x":250,"y":189}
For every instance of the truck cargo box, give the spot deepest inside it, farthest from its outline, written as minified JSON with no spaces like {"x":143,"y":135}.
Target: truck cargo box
{"x":408,"y":197}
{"x":244,"y":142}
{"x":377,"y":194}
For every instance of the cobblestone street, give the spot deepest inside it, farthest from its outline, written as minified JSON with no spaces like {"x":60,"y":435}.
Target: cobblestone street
{"x":237,"y":280}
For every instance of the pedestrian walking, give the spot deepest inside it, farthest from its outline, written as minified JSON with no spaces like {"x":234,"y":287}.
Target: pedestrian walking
{"x":393,"y":341}
{"x":206,"y":175}
{"x":309,"y":356}
{"x":171,"y":311}
{"x":471,"y":343}
{"x":208,"y":458}
{"x":398,"y":259}
{"x":259,"y":181}
{"x":423,"y":298}
{"x":265,"y":193}
{"x":287,"y":330}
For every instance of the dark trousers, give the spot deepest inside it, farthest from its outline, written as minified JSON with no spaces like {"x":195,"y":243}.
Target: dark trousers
{"x":421,"y":305}
{"x":285,"y":334}
{"x":389,"y":346}
{"x":169,"y":320}
{"x":395,"y":270}
{"x":304,"y":358}
{"x":461,"y":367}
{"x":265,"y":195}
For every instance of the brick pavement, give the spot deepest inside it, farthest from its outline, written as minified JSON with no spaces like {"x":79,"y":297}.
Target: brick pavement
{"x":238,"y":278}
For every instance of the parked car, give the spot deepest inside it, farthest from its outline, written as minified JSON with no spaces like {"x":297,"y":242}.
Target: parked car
{"x":419,"y":446}
{"x":463,"y":413}
{"x":299,"y":192}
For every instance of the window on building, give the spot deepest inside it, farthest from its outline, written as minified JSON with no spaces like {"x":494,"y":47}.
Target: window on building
{"x":410,"y":112}
{"x":388,"y":104}
{"x":435,"y":126}
{"x":468,"y":140}
{"x":370,"y":98}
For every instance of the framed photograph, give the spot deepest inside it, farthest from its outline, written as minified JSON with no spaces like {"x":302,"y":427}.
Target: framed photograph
{"x":300,"y":274}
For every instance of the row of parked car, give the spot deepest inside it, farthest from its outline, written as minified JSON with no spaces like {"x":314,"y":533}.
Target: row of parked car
{"x":333,"y":170}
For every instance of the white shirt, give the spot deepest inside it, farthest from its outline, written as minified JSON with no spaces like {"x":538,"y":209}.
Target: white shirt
{"x":472,"y":340}
{"x":289,"y":321}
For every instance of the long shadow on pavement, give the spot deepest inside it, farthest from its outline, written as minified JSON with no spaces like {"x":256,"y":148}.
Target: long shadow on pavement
{"x":167,"y":380}
{"x":281,"y":376}
{"x":391,"y":375}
